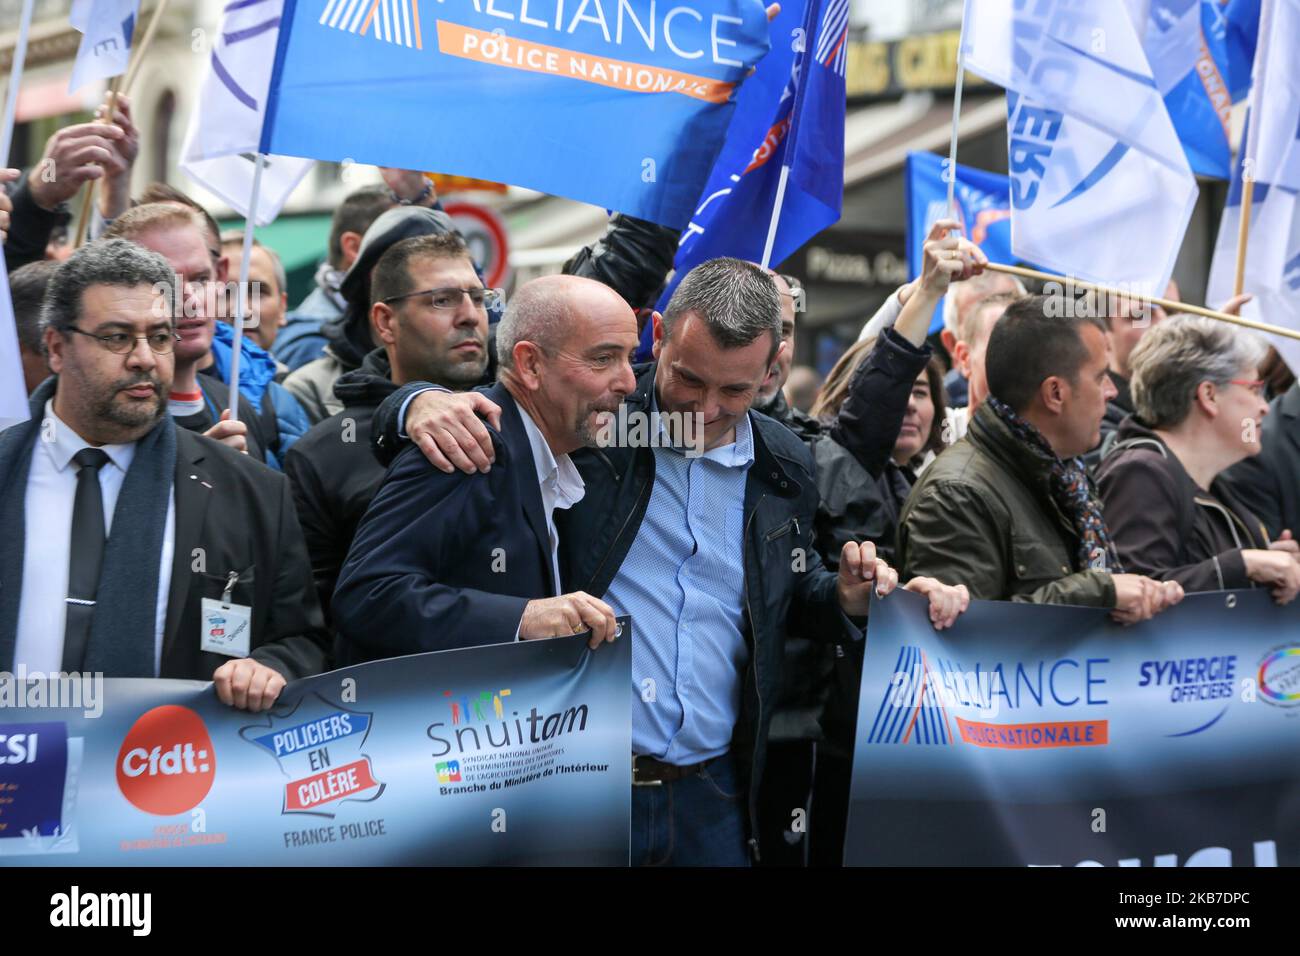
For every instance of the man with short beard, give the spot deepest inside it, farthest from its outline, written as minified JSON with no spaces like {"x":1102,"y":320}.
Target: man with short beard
{"x":429,"y":330}
{"x":455,"y":560}
{"x":119,"y":525}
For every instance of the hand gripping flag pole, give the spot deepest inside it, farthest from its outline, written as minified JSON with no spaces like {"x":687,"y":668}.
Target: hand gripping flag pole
{"x":114,"y":87}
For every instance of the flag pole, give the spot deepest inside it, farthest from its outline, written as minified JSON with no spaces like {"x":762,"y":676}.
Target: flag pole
{"x":951,"y":171}
{"x":776,"y":217}
{"x":1250,"y":148}
{"x":15,"y":78}
{"x":116,"y":85}
{"x":1169,"y":305}
{"x":241,"y":309}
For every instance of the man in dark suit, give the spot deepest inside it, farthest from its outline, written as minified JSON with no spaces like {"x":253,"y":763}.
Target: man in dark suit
{"x":134,"y":548}
{"x":453,"y":560}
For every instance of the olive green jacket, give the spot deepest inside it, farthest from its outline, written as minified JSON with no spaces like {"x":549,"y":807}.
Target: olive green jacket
{"x":982,"y":515}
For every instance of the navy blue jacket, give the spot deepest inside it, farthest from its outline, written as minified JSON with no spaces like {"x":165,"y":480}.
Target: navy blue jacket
{"x":442,"y":561}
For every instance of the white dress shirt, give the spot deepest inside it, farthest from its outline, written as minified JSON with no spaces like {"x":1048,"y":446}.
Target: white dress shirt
{"x":51,"y":493}
{"x":560,"y":483}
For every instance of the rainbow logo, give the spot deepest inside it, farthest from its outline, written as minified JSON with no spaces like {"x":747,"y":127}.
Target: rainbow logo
{"x":1279,"y":676}
{"x":393,"y":21}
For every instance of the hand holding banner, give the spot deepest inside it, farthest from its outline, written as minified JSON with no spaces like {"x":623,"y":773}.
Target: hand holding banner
{"x":512,"y":754}
{"x":1044,"y":735}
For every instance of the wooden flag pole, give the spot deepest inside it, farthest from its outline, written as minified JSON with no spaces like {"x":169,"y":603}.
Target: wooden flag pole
{"x":1250,"y":146}
{"x":116,"y":85}
{"x":1169,"y":305}
{"x":1243,"y":234}
{"x":137,"y":56}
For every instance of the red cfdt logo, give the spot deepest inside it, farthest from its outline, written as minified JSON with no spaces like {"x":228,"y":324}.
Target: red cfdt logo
{"x":166,"y":765}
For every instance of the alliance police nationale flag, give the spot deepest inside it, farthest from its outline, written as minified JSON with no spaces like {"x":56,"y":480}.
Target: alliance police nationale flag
{"x":796,"y":120}
{"x":619,"y":103}
{"x":225,"y":126}
{"x":105,"y":50}
{"x":1272,"y":273}
{"x":1194,"y":64}
{"x":1100,"y":185}
{"x":983,"y":201}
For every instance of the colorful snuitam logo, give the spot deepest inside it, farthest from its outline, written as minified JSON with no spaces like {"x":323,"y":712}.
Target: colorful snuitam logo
{"x":167,"y":764}
{"x":462,"y":713}
{"x":465,"y":708}
{"x":318,"y":747}
{"x":1279,"y":676}
{"x":923,"y":689}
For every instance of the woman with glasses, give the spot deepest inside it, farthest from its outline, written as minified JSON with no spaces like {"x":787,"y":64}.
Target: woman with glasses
{"x":1199,"y":401}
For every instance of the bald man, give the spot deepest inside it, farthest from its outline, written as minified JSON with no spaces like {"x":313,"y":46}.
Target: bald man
{"x":456,"y":560}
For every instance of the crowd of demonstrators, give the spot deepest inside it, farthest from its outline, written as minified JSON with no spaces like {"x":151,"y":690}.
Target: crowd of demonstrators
{"x":1009,"y":510}
{"x":453,"y":480}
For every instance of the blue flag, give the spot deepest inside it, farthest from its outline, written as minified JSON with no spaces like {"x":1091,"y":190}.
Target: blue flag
{"x":795,"y":118}
{"x":983,"y":202}
{"x":1200,"y":53}
{"x":621,"y":104}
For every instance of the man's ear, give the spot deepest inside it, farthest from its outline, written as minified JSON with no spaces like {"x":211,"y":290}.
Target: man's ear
{"x":949,"y":341}
{"x":284,"y":310}
{"x":382,"y":320}
{"x":223,"y":268}
{"x":350,"y":243}
{"x":1054,"y":392}
{"x":55,"y":342}
{"x":961,"y":358}
{"x":658,"y":335}
{"x":528,"y":360}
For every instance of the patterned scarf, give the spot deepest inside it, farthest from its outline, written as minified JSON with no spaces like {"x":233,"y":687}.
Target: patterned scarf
{"x":1070,"y":490}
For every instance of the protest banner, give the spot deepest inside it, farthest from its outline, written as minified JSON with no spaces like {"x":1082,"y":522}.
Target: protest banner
{"x":512,"y":754}
{"x":1043,"y":735}
{"x":620,"y":104}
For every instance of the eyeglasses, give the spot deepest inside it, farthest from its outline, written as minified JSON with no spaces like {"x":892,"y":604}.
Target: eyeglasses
{"x":1257,"y":386}
{"x":120,"y":343}
{"x":450,"y":298}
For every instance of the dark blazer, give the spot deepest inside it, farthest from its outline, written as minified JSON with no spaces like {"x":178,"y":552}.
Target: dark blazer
{"x":241,"y":514}
{"x":235,"y":514}
{"x":1269,"y":483}
{"x":442,"y":561}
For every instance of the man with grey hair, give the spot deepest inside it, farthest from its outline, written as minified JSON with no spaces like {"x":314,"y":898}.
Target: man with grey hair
{"x":107,"y":502}
{"x":710,"y":552}
{"x":457,"y":560}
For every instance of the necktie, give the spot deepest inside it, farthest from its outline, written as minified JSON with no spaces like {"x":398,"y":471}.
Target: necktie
{"x":86,"y":554}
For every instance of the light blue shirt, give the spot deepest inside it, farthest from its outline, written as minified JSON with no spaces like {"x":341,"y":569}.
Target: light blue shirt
{"x":683,"y":584}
